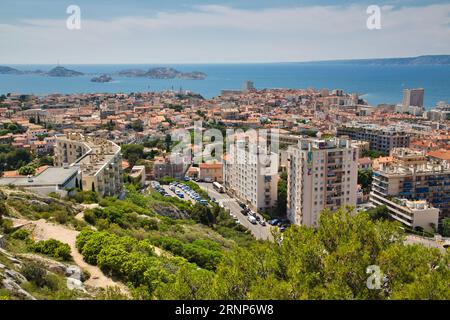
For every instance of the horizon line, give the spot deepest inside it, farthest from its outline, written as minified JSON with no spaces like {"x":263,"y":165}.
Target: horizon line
{"x":239,"y":62}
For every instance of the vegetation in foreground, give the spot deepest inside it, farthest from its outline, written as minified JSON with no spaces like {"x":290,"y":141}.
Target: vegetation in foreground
{"x":303,"y":263}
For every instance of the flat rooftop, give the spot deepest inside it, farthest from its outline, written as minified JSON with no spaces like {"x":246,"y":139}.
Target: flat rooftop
{"x":50,"y":177}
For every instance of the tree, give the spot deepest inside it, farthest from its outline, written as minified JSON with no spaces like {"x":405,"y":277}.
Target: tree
{"x":446,"y":227}
{"x":27,"y":170}
{"x":168,"y":142}
{"x":133,"y":152}
{"x":281,"y":205}
{"x":202,"y":214}
{"x":365,"y":179}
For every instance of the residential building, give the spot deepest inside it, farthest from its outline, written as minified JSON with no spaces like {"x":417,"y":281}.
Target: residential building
{"x":99,"y":159}
{"x":173,"y":166}
{"x":412,"y":176}
{"x":138,"y":175}
{"x":321,"y":174}
{"x":251,"y":173}
{"x":412,"y":213}
{"x":382,"y":139}
{"x":211,"y":172}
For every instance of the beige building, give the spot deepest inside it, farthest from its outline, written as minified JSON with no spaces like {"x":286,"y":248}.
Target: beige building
{"x":99,"y":160}
{"x":412,"y":213}
{"x":321,"y":174}
{"x":411,"y":176}
{"x":211,"y":172}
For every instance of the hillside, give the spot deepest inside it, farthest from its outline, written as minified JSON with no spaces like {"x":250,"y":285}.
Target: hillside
{"x":164,"y":248}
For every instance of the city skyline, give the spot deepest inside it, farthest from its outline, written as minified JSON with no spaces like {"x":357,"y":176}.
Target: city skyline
{"x":231,"y":32}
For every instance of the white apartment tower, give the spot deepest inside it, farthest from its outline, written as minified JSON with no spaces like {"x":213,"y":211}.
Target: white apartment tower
{"x":251,"y":174}
{"x":321,"y":174}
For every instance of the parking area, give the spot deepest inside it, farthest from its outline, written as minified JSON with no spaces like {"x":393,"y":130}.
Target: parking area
{"x":179,"y":190}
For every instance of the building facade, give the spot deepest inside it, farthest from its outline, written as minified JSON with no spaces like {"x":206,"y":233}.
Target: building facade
{"x":412,"y":176}
{"x":250,"y":173}
{"x":321,"y":174}
{"x":382,"y":139}
{"x":99,"y":159}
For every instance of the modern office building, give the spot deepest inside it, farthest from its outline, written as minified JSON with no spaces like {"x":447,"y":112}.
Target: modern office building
{"x":412,"y":176}
{"x":250,"y":173}
{"x":382,"y":139}
{"x":321,"y":174}
{"x":99,"y":159}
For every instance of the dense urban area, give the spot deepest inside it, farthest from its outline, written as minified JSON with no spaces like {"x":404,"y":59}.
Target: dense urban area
{"x":94,"y":205}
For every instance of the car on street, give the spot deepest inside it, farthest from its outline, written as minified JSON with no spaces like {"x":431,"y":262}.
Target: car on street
{"x":244,"y":212}
{"x":252,"y":220}
{"x":274,"y":222}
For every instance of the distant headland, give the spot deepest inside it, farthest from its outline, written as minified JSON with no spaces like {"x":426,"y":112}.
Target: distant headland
{"x":437,"y":60}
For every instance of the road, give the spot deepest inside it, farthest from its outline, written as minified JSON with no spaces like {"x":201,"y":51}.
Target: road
{"x":257,"y":230}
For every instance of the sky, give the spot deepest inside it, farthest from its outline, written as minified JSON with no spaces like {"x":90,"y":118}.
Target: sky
{"x":227,"y":31}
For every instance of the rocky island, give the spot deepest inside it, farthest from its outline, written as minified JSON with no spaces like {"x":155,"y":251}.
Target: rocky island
{"x":102,"y":79}
{"x":163,"y":73}
{"x":63,"y":72}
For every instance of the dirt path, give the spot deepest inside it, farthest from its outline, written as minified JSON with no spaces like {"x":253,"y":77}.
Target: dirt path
{"x":44,"y":230}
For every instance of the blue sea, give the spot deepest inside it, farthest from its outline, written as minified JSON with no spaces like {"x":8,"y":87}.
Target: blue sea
{"x":376,"y":84}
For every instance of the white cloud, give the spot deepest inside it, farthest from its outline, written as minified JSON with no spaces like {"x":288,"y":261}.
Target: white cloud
{"x":225,"y":34}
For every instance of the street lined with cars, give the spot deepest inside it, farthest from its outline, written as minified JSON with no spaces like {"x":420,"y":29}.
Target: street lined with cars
{"x":258,"y":227}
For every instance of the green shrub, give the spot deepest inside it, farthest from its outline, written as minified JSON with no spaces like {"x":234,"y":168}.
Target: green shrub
{"x":52,"y":248}
{"x":35,"y":273}
{"x":20,"y":234}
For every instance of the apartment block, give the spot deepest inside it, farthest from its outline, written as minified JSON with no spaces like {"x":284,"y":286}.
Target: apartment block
{"x":99,"y":159}
{"x":382,"y":139}
{"x":251,"y":173}
{"x":412,"y":176}
{"x":321,"y":174}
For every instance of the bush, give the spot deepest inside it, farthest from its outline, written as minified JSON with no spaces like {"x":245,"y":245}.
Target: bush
{"x":20,"y":234}
{"x":35,"y":273}
{"x":52,"y":248}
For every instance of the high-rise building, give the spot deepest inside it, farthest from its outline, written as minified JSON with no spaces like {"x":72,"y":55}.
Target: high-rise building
{"x":321,"y":174}
{"x":413,"y":98}
{"x":250,"y":173}
{"x":100,"y":161}
{"x":248,"y":86}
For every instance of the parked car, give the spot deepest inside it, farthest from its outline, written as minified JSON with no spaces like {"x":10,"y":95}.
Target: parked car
{"x":252,"y":219}
{"x":282,"y":228}
{"x":203,"y":202}
{"x":274,"y":222}
{"x":244,"y":212}
{"x":242,"y":205}
{"x":262,"y":222}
